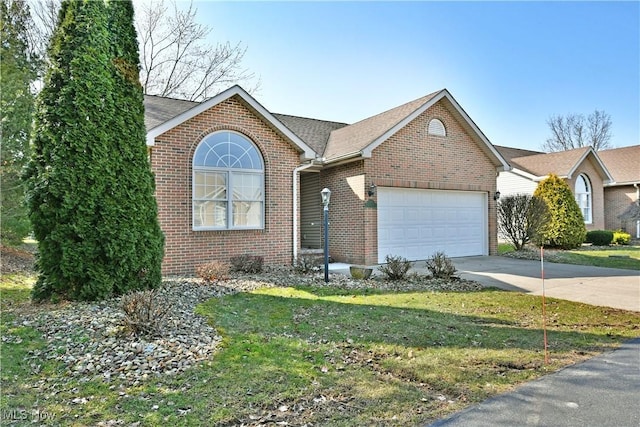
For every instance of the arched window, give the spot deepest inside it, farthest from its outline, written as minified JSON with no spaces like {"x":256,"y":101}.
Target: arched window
{"x":436,"y":127}
{"x":584,"y":197}
{"x":228,"y":183}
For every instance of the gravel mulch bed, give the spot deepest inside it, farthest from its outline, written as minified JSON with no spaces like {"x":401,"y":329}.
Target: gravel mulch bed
{"x":92,"y":342}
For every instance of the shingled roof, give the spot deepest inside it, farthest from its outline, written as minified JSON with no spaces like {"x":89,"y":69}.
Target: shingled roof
{"x":510,"y":153}
{"x":333,"y":141}
{"x":312,"y":131}
{"x":352,"y":139}
{"x":158,"y":109}
{"x":561,"y":163}
{"x":623,"y":164}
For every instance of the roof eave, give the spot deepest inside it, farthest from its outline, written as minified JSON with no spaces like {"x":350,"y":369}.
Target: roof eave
{"x":499,"y":161}
{"x":603,"y":170}
{"x":307,"y":153}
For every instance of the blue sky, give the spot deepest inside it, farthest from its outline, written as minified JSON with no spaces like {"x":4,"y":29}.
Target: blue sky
{"x":511,"y":65}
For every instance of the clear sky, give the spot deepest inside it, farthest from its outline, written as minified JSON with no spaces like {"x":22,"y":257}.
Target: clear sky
{"x":510,"y":65}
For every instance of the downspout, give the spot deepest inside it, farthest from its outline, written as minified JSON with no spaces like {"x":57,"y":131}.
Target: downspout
{"x":638,"y":203}
{"x":296,"y":171}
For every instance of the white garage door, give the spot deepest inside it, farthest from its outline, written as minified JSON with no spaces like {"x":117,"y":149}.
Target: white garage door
{"x":416,"y":223}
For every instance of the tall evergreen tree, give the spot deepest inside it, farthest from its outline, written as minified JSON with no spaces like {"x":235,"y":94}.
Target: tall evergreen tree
{"x":90,"y":186}
{"x":17,"y":71}
{"x":131,"y":227}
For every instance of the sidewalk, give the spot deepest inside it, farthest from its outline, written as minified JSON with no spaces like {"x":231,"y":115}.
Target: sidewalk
{"x":603,"y":391}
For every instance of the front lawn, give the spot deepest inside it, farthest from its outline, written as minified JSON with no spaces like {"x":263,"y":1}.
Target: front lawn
{"x":625,"y":257}
{"x":321,"y":355}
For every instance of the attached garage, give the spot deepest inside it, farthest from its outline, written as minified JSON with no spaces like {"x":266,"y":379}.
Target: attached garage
{"x":416,"y":223}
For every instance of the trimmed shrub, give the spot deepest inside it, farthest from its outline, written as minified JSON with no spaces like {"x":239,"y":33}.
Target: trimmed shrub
{"x":440,"y":266}
{"x":565,"y":224}
{"x":396,"y":267}
{"x":621,"y":238}
{"x":213,"y":271}
{"x":599,"y":237}
{"x":145,"y":312}
{"x":247,"y":263}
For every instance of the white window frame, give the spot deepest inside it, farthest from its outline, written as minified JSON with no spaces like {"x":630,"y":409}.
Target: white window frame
{"x":584,"y":199}
{"x":231,"y":175}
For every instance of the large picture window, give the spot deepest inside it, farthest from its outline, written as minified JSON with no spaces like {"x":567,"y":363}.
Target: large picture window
{"x":584,"y":197}
{"x":228,"y":183}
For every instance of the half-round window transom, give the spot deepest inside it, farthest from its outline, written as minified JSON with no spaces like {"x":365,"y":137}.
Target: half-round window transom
{"x":227,"y":150}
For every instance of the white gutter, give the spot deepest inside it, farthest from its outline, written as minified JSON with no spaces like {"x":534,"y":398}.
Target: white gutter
{"x":296,"y":171}
{"x":638,"y":203}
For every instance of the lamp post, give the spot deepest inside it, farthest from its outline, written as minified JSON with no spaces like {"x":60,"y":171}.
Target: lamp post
{"x":326,"y":197}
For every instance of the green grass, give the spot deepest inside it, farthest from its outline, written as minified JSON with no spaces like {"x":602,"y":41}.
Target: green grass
{"x":505,"y":248}
{"x":626,"y":257}
{"x":327,"y":356}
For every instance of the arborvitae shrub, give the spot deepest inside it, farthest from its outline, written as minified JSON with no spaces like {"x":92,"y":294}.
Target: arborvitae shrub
{"x":90,"y":186}
{"x":599,"y":237}
{"x":565,"y":224}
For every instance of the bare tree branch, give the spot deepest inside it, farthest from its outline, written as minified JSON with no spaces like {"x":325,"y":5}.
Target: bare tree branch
{"x":520,"y":218}
{"x":176,"y":59}
{"x":573,"y":131}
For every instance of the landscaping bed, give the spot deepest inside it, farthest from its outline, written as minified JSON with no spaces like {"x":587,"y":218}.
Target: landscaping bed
{"x":279,"y":348}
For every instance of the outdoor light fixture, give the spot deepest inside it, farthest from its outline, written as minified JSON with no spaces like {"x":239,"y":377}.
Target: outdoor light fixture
{"x":326,"y":198}
{"x":496,"y":196}
{"x":372,"y":190}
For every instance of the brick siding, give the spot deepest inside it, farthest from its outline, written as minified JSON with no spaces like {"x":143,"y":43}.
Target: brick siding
{"x":410,"y":158}
{"x":171,"y":160}
{"x":616,"y":201}
{"x":597,"y":204}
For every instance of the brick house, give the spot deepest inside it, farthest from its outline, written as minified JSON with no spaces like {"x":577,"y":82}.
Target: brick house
{"x":621,"y":195}
{"x":582,"y":168}
{"x":233,"y":178}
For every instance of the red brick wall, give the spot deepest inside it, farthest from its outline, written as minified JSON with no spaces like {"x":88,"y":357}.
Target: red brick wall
{"x":616,"y":201}
{"x":587,"y":168}
{"x":171,"y":160}
{"x":410,"y":158}
{"x":346,"y":214}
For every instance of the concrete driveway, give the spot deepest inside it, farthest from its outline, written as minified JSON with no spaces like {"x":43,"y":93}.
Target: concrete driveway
{"x":610,"y":287}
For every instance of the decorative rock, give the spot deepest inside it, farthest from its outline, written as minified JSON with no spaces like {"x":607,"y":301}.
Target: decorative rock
{"x":91,"y":339}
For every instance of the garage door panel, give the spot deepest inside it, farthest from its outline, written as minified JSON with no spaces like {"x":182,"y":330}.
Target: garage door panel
{"x":416,"y":223}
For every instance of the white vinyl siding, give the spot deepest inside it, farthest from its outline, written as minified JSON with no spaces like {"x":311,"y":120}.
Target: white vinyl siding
{"x":510,"y":183}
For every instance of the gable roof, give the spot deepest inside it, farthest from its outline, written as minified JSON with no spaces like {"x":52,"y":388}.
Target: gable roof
{"x":312,"y":131}
{"x":361,"y":138}
{"x":158,"y":109}
{"x":335,"y":140}
{"x":623,"y":164}
{"x":510,"y":153}
{"x":164,"y":109}
{"x":561,"y":163}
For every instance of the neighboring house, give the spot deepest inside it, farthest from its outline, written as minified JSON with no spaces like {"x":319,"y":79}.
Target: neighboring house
{"x":624,"y":192}
{"x":233,"y":178}
{"x":582,"y":169}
